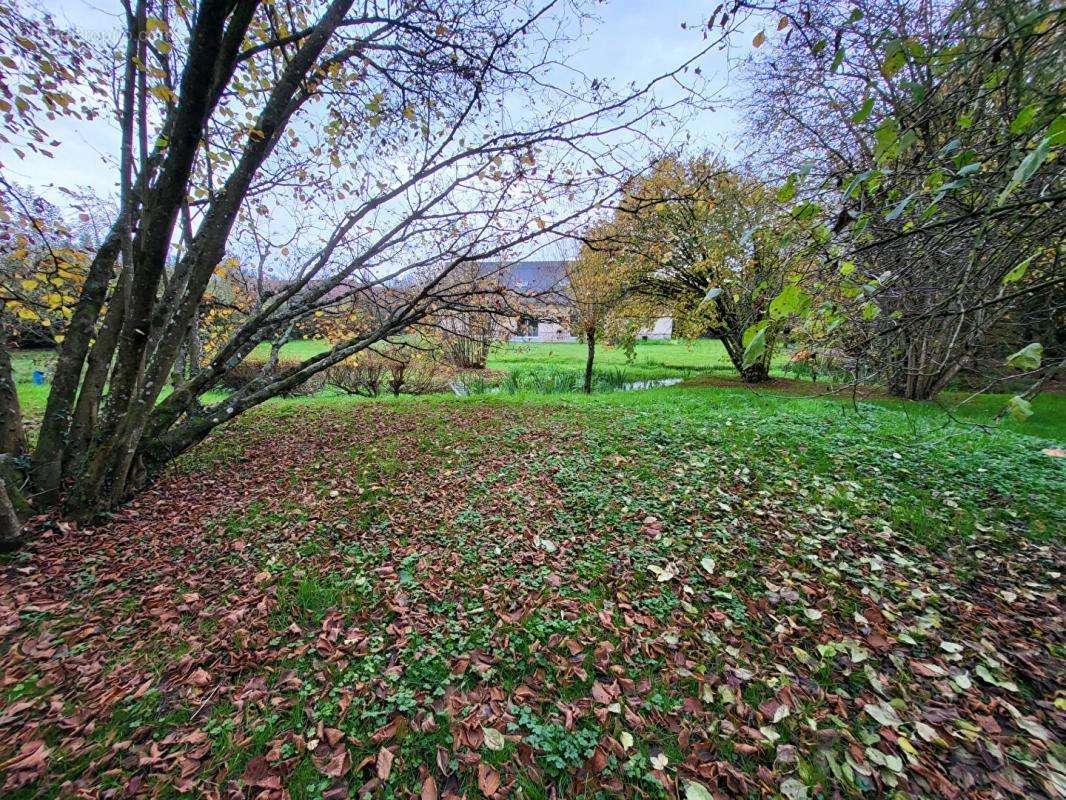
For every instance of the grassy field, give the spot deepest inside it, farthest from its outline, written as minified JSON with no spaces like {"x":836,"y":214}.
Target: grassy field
{"x":702,"y":362}
{"x":655,"y":359}
{"x":629,"y":594}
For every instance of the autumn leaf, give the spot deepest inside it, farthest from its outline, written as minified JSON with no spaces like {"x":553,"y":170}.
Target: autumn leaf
{"x":488,"y":779}
{"x":384,"y":763}
{"x":494,"y":739}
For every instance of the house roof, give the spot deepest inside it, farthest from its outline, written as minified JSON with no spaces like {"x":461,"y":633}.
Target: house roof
{"x":529,"y":277}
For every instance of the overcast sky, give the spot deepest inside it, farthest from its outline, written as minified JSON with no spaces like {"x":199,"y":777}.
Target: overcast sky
{"x":635,"y":40}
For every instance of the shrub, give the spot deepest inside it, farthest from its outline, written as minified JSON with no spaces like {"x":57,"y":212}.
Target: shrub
{"x":244,"y":373}
{"x":352,"y":377}
{"x":399,"y":371}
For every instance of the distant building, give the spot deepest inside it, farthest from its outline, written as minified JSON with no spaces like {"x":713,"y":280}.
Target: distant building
{"x":544,"y":304}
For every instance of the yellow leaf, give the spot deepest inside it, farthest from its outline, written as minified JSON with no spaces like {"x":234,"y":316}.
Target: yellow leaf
{"x":163,"y":93}
{"x":760,"y":37}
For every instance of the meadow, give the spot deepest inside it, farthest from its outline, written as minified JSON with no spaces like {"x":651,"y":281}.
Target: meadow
{"x":701,"y":363}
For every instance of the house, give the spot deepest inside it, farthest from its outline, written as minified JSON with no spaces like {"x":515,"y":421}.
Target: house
{"x":543,"y":304}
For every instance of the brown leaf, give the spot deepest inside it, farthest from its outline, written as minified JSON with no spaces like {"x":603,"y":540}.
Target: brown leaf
{"x":257,"y":773}
{"x":429,"y":788}
{"x":385,"y":758}
{"x":488,"y":779}
{"x":333,"y":736}
{"x":199,"y":677}
{"x":31,"y":756}
{"x":339,"y":763}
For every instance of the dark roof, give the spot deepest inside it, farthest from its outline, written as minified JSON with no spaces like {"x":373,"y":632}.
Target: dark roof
{"x":529,"y":277}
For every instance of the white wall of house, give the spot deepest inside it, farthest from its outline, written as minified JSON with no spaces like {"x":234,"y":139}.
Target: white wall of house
{"x":662,"y":328}
{"x":553,"y":332}
{"x":549,"y":331}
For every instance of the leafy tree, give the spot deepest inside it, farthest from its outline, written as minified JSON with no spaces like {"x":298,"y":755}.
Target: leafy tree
{"x":42,"y":268}
{"x":597,"y":285}
{"x":930,"y":131}
{"x":718,"y":248}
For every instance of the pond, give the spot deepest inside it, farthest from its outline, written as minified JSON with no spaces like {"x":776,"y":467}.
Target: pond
{"x":463,"y":390}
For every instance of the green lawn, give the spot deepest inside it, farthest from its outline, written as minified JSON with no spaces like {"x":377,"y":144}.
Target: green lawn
{"x":654,"y":359}
{"x":620,"y":595}
{"x":702,"y":360}
{"x":663,"y":358}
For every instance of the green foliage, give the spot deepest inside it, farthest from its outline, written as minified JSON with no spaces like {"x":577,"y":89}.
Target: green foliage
{"x":1019,"y":408}
{"x":755,"y":348}
{"x":562,"y":750}
{"x":1028,"y":357}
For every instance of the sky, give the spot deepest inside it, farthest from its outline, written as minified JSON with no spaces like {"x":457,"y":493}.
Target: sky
{"x":633,"y":41}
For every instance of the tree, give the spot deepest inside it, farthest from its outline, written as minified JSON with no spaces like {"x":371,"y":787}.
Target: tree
{"x":382,"y":133}
{"x":717,"y":246}
{"x":597,"y":285}
{"x":929,"y":130}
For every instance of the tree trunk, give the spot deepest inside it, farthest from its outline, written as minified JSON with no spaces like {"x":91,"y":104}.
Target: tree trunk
{"x":12,"y":438}
{"x":10,"y":526}
{"x":590,"y":340}
{"x":47,"y":459}
{"x":756,"y":373}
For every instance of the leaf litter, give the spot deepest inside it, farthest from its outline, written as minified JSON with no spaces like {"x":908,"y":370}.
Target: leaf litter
{"x":439,"y":602}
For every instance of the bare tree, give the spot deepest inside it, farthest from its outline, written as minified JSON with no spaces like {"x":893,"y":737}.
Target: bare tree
{"x":383,"y":131}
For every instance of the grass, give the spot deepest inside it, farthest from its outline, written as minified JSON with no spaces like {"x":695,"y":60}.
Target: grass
{"x":636,"y":580}
{"x":653,"y":359}
{"x":542,"y":368}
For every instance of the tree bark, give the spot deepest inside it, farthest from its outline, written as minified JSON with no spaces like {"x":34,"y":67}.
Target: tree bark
{"x":756,"y":373}
{"x":10,"y":526}
{"x":590,"y":340}
{"x":48,"y":456}
{"x":12,"y":437}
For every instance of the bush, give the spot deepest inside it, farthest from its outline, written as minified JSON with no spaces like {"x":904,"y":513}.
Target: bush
{"x":351,"y":377}
{"x":397,"y":371}
{"x":244,"y":373}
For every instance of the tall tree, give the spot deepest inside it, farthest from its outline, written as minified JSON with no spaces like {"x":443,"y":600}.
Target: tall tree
{"x":929,"y":130}
{"x":384,"y":131}
{"x":717,"y":247}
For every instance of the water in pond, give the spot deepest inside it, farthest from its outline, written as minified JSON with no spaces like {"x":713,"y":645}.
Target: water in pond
{"x":463,"y":390}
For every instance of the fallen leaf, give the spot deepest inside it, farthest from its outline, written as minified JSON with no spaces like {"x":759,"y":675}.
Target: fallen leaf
{"x":494,"y":739}
{"x":488,"y":779}
{"x":384,"y":764}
